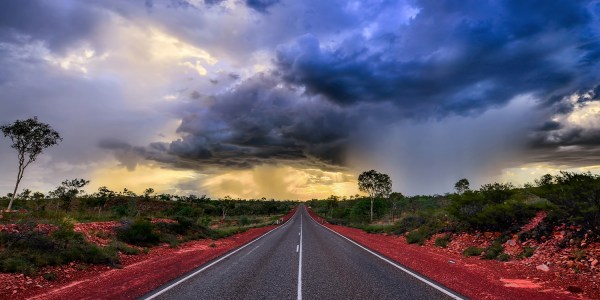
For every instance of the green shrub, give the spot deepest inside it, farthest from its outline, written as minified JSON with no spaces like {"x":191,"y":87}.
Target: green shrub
{"x":140,"y":233}
{"x":18,"y":265}
{"x":493,"y":250}
{"x":527,"y":252}
{"x":244,"y":221}
{"x":50,"y":276}
{"x":169,"y":239}
{"x":473,"y":251}
{"x":225,"y":232}
{"x":122,"y":210}
{"x":124,"y":248}
{"x":416,"y":237}
{"x":27,"y":251}
{"x":503,"y":257}
{"x":409,"y":223}
{"x":442,"y":241}
{"x":575,"y":197}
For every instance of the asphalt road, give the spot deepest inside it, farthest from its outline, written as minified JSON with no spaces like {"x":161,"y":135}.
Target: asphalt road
{"x":301,"y":259}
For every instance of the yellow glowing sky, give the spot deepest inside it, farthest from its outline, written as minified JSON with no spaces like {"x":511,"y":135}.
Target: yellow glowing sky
{"x":273,"y":181}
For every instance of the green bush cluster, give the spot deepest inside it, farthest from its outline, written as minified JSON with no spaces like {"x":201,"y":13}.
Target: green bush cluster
{"x":493,"y":251}
{"x":491,"y":209}
{"x":527,"y":252}
{"x":140,"y":232}
{"x":416,"y":237}
{"x":27,"y":251}
{"x":473,"y":251}
{"x":443,"y":241}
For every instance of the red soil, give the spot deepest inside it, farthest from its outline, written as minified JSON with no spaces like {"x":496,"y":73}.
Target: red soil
{"x":140,"y":273}
{"x":474,"y":277}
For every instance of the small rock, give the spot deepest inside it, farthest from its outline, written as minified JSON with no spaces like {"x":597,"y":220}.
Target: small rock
{"x":574,"y":289}
{"x":543,"y":267}
{"x":570,"y":263}
{"x":594,"y":262}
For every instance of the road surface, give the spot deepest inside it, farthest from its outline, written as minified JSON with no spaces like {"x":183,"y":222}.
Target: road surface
{"x":301,"y":259}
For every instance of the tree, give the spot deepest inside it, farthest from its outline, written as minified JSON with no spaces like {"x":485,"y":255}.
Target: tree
{"x":68,"y":190}
{"x":29,"y":137}
{"x":375,"y":184}
{"x":395,"y":198}
{"x":25,"y":194}
{"x":545,"y":180}
{"x":148,"y":193}
{"x":462,"y":186}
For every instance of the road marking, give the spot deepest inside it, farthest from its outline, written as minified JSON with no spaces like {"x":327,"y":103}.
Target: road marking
{"x":300,"y":263}
{"x":217,"y":261}
{"x":297,"y":247}
{"x":423,"y":279}
{"x":251,"y":251}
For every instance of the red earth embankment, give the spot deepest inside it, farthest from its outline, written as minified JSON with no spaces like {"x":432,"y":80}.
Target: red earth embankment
{"x":473,"y":277}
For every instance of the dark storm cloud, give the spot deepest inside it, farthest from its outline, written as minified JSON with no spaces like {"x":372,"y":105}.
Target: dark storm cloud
{"x":261,"y":5}
{"x":58,"y":24}
{"x":562,"y":141}
{"x":453,"y":57}
{"x":258,"y":122}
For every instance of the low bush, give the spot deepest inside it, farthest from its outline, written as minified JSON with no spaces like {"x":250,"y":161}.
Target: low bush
{"x":473,"y":251}
{"x":243,"y":221}
{"x":443,"y":241}
{"x":124,"y":248}
{"x":50,"y":276}
{"x":28,"y":250}
{"x":409,"y":223}
{"x":493,"y":250}
{"x":503,"y":257}
{"x":527,"y":252}
{"x":416,"y":237}
{"x":140,"y":232}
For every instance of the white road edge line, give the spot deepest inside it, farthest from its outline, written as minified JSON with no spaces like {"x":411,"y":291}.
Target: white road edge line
{"x":215,"y":262}
{"x":425,"y":280}
{"x":300,"y":263}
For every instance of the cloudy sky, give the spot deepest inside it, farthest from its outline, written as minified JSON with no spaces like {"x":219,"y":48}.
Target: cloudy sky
{"x":293,"y":99}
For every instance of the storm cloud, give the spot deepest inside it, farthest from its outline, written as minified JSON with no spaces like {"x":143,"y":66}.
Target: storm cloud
{"x":258,"y":122}
{"x":453,"y":58}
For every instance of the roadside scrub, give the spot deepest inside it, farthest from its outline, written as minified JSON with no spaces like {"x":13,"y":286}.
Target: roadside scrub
{"x":27,"y":250}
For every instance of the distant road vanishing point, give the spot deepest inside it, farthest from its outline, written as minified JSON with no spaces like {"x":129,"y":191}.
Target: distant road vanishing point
{"x":302,"y":259}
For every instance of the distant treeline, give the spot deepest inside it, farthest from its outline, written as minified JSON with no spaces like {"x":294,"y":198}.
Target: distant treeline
{"x":105,"y":204}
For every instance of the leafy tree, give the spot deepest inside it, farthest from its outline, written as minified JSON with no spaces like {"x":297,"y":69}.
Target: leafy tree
{"x":29,"y":137}
{"x":25,"y":194}
{"x":105,"y":193}
{"x":148,"y":193}
{"x":497,"y":192}
{"x":375,"y":184}
{"x":578,"y":197}
{"x":37,"y":196}
{"x":395,"y":199}
{"x":545,"y":180}
{"x":128,"y":193}
{"x":68,"y":190}
{"x":462,"y":186}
